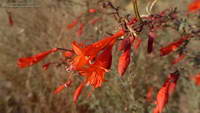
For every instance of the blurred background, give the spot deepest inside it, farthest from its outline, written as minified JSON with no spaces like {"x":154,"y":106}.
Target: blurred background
{"x":25,"y":31}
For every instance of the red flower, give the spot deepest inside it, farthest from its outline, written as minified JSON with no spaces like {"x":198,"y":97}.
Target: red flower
{"x":92,"y":10}
{"x":89,"y":52}
{"x":61,"y":87}
{"x":173,"y":78}
{"x":124,"y":61}
{"x":196,"y":79}
{"x":136,"y":44}
{"x":79,"y":60}
{"x":166,"y":90}
{"x":149,"y":94}
{"x":178,"y":59}
{"x":95,"y":72}
{"x":195,"y":5}
{"x":28,"y":61}
{"x":151,"y":37}
{"x":172,"y":46}
{"x":107,"y":41}
{"x":162,"y":98}
{"x":72,"y":25}
{"x":124,"y":44}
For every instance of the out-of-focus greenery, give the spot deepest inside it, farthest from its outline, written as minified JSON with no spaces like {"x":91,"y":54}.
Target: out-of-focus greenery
{"x":40,"y":28}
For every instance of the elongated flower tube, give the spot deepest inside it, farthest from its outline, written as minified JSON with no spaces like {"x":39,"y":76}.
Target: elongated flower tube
{"x":78,"y":92}
{"x":124,"y":59}
{"x":172,"y":46}
{"x":29,"y":61}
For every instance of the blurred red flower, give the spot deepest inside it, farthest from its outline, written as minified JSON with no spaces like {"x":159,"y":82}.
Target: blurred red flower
{"x":195,"y":5}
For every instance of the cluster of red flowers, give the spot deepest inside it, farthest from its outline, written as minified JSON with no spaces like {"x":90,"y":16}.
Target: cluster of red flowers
{"x":94,"y":60}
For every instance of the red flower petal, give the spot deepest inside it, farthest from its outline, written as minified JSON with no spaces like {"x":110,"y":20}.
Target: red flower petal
{"x":78,"y":92}
{"x":124,"y":61}
{"x":28,"y":61}
{"x":124,"y":44}
{"x":104,"y":60}
{"x":92,"y":49}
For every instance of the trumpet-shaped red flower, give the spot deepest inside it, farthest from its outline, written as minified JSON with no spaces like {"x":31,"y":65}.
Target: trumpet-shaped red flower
{"x":164,"y":93}
{"x":195,"y":5}
{"x":95,"y":72}
{"x":124,"y":61}
{"x":172,"y":46}
{"x":28,"y":61}
{"x":89,"y":52}
{"x":162,"y":98}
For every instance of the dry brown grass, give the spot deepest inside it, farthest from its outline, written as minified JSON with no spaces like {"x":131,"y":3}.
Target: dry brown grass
{"x":38,"y":29}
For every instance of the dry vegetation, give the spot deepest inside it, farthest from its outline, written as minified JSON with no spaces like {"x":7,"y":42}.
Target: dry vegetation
{"x":38,"y":29}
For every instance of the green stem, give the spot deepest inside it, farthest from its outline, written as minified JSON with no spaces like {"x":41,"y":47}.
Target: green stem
{"x":135,"y":8}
